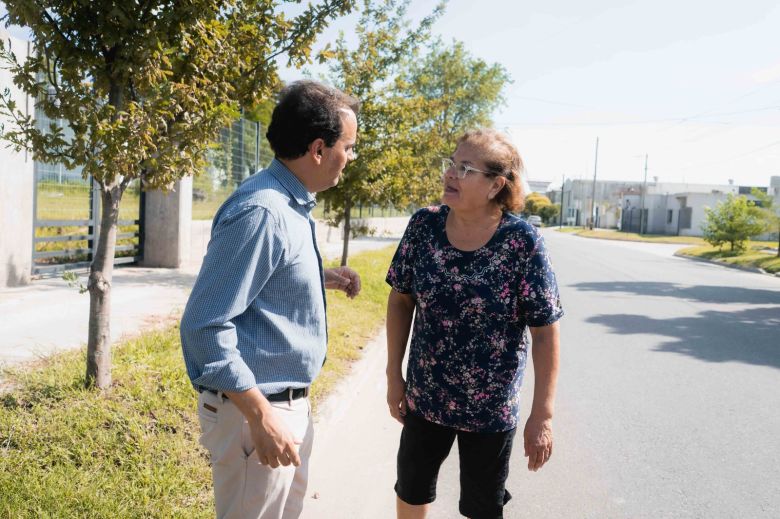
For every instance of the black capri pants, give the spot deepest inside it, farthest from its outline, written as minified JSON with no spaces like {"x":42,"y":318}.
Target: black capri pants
{"x":484,"y":466}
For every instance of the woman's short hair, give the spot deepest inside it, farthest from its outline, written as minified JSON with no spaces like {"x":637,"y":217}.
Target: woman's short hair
{"x":501,"y":158}
{"x":306,"y":111}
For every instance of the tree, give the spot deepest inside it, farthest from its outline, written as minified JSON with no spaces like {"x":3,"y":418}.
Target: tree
{"x":413,"y":109}
{"x":383,"y":150}
{"x":733,"y":221}
{"x":549,"y":213}
{"x":144,"y":86}
{"x":770,"y":211}
{"x":535,"y":203}
{"x":460,"y":93}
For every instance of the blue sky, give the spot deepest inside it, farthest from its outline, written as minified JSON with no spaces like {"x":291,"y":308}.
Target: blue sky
{"x":694,"y":84}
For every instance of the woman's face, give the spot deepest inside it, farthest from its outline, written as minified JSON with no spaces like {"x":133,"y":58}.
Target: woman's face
{"x":476,"y":190}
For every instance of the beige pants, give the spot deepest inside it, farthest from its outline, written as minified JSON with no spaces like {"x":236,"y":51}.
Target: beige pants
{"x":243,"y":487}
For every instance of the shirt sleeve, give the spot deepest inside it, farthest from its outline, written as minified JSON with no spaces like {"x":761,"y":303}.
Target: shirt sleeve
{"x":400,"y":275}
{"x":539,"y":297}
{"x":246,"y":248}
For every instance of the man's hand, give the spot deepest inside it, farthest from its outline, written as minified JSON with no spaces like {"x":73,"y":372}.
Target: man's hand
{"x":344,"y":279}
{"x":538,"y":442}
{"x":274,"y":443}
{"x":396,"y":400}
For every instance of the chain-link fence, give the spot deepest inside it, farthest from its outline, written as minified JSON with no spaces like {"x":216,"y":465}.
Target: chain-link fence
{"x":239,"y":152}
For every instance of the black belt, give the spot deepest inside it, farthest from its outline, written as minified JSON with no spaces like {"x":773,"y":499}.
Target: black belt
{"x":287,"y":395}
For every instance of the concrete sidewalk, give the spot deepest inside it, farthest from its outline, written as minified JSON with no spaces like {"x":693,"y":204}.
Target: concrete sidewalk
{"x":49,"y":316}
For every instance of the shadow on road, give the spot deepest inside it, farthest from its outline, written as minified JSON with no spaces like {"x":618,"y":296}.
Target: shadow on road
{"x":750,"y":336}
{"x":702,"y":293}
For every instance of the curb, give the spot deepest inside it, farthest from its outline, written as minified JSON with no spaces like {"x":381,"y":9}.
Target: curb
{"x":754,"y":270}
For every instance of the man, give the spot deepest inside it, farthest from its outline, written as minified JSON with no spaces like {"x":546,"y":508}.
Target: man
{"x":254,"y":330}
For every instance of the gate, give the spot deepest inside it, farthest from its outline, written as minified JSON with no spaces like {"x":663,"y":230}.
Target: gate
{"x":67,"y":221}
{"x":631,"y":220}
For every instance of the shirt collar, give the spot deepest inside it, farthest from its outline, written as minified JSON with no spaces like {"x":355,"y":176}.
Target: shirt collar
{"x":291,"y":183}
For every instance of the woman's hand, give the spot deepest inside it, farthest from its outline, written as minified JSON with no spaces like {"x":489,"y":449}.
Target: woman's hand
{"x":538,"y":442}
{"x":396,"y":397}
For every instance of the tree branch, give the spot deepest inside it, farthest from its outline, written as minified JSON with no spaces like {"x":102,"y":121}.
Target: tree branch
{"x":54,"y":25}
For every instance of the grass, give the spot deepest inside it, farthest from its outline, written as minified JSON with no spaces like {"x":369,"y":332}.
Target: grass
{"x":132,"y":451}
{"x":753,"y":257}
{"x":612,"y":234}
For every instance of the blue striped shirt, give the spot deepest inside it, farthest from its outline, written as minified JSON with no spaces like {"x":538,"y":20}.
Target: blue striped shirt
{"x":256,"y":315}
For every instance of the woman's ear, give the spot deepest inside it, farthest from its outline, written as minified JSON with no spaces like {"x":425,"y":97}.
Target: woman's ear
{"x":498,"y":185}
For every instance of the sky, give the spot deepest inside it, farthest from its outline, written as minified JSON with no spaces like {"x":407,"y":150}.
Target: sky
{"x":692,"y":84}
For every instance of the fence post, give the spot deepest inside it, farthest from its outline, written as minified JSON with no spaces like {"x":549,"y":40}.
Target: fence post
{"x":168,"y":226}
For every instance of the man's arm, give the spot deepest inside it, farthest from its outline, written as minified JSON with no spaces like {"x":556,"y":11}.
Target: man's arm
{"x":400,"y":309}
{"x":538,"y":429}
{"x":245,"y":249}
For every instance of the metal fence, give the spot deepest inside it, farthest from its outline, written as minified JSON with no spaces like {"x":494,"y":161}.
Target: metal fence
{"x":631,"y":220}
{"x":67,"y":218}
{"x":239,"y":152}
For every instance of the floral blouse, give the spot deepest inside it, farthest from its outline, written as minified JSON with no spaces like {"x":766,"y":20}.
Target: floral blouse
{"x":469,"y":341}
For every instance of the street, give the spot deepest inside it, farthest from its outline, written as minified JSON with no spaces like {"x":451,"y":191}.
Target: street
{"x":668,"y":400}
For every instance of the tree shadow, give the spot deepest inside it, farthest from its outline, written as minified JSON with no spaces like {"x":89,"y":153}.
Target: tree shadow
{"x":750,"y":336}
{"x":702,"y":293}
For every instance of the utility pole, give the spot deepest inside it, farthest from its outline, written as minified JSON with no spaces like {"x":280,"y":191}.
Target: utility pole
{"x":642,"y":220}
{"x":593,"y":193}
{"x":560,"y":216}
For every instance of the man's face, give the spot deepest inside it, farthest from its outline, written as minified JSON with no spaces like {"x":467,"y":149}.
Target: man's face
{"x":335,"y":158}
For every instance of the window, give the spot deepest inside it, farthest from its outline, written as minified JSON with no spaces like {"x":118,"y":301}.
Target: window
{"x":669,"y":215}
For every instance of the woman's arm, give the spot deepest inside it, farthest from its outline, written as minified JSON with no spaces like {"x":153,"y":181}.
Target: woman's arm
{"x":400,"y":309}
{"x":538,"y":430}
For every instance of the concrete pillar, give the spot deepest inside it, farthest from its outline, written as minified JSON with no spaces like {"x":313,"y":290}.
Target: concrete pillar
{"x":17,"y":188}
{"x":167,"y":226}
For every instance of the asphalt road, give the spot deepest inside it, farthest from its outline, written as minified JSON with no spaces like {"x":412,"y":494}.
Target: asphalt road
{"x":668,"y":401}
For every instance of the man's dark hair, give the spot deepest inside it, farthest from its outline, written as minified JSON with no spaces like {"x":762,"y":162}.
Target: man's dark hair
{"x":306,"y":111}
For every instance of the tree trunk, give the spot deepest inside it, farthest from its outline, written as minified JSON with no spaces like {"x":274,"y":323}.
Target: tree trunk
{"x":99,"y":286}
{"x":347,"y":230}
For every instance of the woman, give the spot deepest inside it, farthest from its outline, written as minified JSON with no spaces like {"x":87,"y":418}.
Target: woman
{"x":476,"y":275}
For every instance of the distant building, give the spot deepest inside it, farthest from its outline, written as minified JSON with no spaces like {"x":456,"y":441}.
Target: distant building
{"x":676,"y":209}
{"x":669,"y":208}
{"x":577,"y":201}
{"x":538,"y":186}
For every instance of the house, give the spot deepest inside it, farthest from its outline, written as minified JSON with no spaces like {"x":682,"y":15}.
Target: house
{"x":577,"y":201}
{"x":679,"y":209}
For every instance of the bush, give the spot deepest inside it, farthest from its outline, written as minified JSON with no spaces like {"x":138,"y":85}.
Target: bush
{"x":733,"y":221}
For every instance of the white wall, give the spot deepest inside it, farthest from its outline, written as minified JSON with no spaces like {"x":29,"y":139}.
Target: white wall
{"x":16,"y":189}
{"x":698,"y":201}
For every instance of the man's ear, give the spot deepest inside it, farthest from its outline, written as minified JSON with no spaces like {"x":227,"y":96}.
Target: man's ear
{"x":316,"y":149}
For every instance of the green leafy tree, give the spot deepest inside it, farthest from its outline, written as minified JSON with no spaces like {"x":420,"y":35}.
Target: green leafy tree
{"x":771,"y":212}
{"x":535,"y":204}
{"x":733,"y":221}
{"x":413,"y":110}
{"x":144,"y":86}
{"x":460,"y":92}
{"x":367,"y":72}
{"x":550,"y":213}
